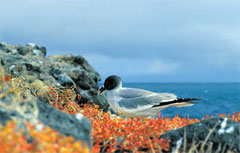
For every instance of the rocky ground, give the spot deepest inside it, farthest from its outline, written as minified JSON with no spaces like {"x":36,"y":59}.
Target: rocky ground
{"x":63,"y":71}
{"x":215,"y":134}
{"x":75,"y":125}
{"x":60,"y":70}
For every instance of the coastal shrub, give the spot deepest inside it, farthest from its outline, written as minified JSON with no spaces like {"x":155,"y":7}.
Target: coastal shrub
{"x":48,"y":140}
{"x":63,"y":99}
{"x":110,"y":133}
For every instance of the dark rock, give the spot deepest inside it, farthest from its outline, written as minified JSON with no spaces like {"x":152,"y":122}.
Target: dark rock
{"x":44,"y":51}
{"x":76,"y":125}
{"x":84,"y":85}
{"x":30,"y":139}
{"x":79,"y":60}
{"x":61,"y":71}
{"x":32,"y":68}
{"x":4,"y":116}
{"x":65,"y":80}
{"x":70,"y":125}
{"x":225,"y":135}
{"x":23,"y":50}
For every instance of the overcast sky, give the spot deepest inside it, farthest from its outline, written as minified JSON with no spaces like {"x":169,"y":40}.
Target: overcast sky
{"x":139,"y":40}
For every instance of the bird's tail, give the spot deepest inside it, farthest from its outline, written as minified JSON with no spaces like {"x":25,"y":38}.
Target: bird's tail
{"x":179,"y":102}
{"x":184,"y":102}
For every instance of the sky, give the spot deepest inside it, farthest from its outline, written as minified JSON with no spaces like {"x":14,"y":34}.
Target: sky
{"x":139,"y":40}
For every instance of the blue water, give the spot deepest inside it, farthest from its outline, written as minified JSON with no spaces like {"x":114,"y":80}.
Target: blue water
{"x":217,"y":98}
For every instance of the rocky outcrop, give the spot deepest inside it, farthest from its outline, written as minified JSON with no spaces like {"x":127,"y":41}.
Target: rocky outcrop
{"x":63,"y":71}
{"x":60,"y":70}
{"x":75,"y":125}
{"x":216,"y":134}
{"x":34,"y":111}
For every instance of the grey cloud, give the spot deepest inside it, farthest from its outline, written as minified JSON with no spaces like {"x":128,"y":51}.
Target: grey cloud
{"x":132,"y":66}
{"x":197,"y":34}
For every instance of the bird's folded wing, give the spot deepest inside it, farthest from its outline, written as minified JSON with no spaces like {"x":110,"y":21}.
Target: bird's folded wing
{"x":146,"y":101}
{"x":133,"y":93}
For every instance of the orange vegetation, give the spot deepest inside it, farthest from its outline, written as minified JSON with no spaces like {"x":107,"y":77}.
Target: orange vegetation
{"x":48,"y":140}
{"x":109,"y":133}
{"x":136,"y":134}
{"x":63,"y":100}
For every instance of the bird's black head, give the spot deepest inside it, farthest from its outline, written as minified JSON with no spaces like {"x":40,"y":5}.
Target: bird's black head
{"x":111,"y":82}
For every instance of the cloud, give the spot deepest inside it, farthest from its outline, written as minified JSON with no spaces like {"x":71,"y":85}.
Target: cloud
{"x":106,"y":65}
{"x":154,"y":37}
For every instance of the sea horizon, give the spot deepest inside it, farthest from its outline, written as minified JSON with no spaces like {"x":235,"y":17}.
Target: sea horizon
{"x":237,"y":82}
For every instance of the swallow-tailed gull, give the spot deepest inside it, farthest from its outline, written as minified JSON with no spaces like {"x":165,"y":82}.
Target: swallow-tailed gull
{"x":132,"y":102}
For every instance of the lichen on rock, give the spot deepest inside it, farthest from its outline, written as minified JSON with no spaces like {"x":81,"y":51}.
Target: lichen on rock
{"x":58,"y":70}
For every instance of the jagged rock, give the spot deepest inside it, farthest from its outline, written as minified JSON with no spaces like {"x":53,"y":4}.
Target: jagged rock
{"x":4,"y":116}
{"x":75,"y":125}
{"x":29,"y":49}
{"x":62,"y":71}
{"x":224,"y":137}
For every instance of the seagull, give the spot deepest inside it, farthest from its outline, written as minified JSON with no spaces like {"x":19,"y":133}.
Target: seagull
{"x":133,"y":102}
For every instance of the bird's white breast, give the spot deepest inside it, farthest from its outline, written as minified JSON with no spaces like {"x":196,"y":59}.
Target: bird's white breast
{"x":113,"y":99}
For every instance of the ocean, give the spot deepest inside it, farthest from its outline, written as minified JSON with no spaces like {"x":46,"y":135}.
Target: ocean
{"x":217,"y":98}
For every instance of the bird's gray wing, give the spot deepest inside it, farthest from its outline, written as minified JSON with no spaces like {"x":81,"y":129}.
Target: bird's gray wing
{"x":133,"y":93}
{"x":142,"y":99}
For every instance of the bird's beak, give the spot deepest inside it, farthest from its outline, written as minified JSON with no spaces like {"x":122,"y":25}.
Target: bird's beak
{"x":101,"y":90}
